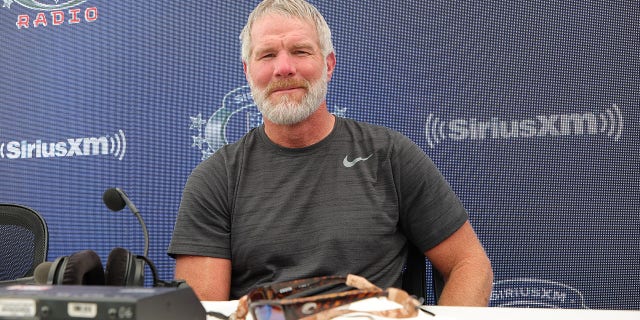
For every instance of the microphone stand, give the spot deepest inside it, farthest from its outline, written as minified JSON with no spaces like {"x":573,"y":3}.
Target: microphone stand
{"x":109,"y":197}
{"x":135,"y":211}
{"x":145,"y":232}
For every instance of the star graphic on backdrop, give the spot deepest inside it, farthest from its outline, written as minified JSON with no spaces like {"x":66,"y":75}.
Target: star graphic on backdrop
{"x":7,"y":4}
{"x":198,"y":141}
{"x":197,"y":122}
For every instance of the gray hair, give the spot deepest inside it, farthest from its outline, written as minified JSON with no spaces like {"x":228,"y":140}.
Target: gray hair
{"x":290,"y":8}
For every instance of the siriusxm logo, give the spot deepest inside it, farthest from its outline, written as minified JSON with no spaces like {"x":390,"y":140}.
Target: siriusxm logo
{"x":609,"y":123}
{"x":536,"y":293}
{"x":115,"y":145}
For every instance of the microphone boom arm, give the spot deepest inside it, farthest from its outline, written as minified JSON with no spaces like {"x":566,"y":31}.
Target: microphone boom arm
{"x":145,"y":232}
{"x":115,"y":199}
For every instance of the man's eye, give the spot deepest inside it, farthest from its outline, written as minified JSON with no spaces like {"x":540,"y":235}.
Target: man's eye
{"x":267,"y":56}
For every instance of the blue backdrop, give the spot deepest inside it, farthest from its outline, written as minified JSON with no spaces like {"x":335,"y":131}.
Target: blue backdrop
{"x":530,"y":109}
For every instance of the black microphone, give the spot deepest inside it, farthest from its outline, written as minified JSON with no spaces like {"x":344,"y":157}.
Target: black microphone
{"x":115,"y":199}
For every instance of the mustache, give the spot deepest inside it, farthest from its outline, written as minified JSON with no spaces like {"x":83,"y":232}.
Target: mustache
{"x":286,"y":84}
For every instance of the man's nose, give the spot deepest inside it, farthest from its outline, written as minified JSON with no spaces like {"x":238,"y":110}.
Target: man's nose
{"x":284,"y":66}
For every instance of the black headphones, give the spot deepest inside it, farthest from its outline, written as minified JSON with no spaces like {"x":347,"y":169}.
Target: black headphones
{"x":85,"y":268}
{"x":123,"y":267}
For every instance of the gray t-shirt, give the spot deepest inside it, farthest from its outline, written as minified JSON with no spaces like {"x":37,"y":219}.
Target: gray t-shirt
{"x":347,"y":204}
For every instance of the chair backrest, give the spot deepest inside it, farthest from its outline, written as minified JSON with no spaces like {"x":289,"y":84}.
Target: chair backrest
{"x":24,"y":241}
{"x":415,"y":280}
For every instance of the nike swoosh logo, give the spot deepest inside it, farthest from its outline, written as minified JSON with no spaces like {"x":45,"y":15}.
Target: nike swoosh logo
{"x":349,"y":164}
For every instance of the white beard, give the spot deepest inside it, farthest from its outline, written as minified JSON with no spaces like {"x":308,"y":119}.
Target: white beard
{"x":287,"y":112}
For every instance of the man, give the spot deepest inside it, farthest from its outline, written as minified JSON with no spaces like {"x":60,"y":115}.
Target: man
{"x":310,"y":194}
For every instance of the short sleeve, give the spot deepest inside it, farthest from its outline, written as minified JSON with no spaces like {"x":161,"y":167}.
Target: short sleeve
{"x":203,"y":222}
{"x":429,"y":209}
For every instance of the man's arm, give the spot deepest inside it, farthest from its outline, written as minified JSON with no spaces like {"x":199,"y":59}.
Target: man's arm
{"x":210,"y":278}
{"x":465,"y":267}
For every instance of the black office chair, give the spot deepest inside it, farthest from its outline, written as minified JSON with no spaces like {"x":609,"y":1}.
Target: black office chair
{"x":414,"y":277}
{"x":24,"y":241}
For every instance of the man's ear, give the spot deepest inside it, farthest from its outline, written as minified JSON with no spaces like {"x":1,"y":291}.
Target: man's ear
{"x":244,"y":67}
{"x":331,"y":64}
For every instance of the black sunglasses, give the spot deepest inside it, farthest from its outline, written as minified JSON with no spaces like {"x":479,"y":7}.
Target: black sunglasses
{"x":298,"y":299}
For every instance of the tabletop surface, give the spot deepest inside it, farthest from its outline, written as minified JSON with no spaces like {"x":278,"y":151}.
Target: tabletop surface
{"x":443,"y":313}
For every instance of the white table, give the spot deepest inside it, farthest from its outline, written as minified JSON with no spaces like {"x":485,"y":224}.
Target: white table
{"x":462,"y":313}
{"x":531,"y":314}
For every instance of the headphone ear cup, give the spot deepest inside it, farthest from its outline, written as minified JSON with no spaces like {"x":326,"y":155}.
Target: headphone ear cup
{"x":124,"y":269}
{"x":81,"y":268}
{"x":56,"y":271}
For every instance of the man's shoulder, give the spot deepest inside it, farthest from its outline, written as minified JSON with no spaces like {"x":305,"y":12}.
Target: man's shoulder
{"x":247,"y":138}
{"x":230,"y":152}
{"x":371,"y":130}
